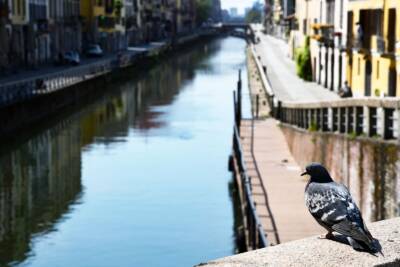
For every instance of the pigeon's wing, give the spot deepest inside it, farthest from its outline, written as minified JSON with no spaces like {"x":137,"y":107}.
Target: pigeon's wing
{"x":333,"y":207}
{"x":353,"y":224}
{"x":326,"y":202}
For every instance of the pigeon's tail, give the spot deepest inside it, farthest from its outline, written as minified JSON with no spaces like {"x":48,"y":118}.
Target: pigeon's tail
{"x":371,"y":246}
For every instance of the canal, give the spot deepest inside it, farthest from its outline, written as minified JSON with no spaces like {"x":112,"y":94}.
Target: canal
{"x":137,"y":178}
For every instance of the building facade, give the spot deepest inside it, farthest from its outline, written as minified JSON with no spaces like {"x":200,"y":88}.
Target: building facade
{"x":65,"y":27}
{"x":350,"y":40}
{"x":35,"y":32}
{"x":373,"y":47}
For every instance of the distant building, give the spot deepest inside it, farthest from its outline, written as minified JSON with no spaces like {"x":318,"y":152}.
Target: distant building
{"x":64,"y":27}
{"x":233,"y":12}
{"x":5,"y":34}
{"x":103,"y":23}
{"x":225,"y":15}
{"x":216,"y":14}
{"x":246,"y":11}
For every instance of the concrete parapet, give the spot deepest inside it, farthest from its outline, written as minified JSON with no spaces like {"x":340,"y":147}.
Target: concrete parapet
{"x":321,"y":252}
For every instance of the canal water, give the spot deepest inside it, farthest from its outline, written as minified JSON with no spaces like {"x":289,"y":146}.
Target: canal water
{"x":138,"y":178}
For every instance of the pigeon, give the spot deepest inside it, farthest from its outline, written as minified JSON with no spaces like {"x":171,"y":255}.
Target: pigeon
{"x":333,"y":208}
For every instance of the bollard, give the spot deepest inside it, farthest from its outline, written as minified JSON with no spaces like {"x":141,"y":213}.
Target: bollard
{"x":257,"y":105}
{"x":239,"y":97}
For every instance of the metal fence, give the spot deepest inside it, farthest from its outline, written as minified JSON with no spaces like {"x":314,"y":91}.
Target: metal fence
{"x":22,"y":90}
{"x":255,"y":231}
{"x":18,"y":91}
{"x":257,"y":237}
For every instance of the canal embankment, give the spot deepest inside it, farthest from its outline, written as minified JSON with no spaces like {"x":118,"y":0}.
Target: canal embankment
{"x":293,"y":133}
{"x":25,"y":102}
{"x":264,"y":168}
{"x":355,"y":138}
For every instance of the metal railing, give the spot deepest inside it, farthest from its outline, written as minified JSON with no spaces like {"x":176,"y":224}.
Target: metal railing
{"x":21,"y":90}
{"x":256,"y":234}
{"x":18,"y":91}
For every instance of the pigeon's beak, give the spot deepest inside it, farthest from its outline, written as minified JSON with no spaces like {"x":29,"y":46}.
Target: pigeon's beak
{"x":304,"y":173}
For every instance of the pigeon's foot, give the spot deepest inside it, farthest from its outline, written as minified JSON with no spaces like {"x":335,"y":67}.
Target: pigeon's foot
{"x":328,"y":235}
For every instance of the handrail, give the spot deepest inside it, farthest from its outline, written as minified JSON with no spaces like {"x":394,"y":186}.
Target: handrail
{"x":262,"y":184}
{"x":267,"y":86}
{"x":238,"y":153}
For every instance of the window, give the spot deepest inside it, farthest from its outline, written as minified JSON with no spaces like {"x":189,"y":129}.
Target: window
{"x":377,"y":69}
{"x":341,"y":14}
{"x":330,"y":12}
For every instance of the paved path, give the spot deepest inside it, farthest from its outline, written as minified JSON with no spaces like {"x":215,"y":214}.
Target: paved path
{"x":260,"y":195}
{"x":281,"y":72}
{"x":285,"y":187}
{"x":281,"y":208}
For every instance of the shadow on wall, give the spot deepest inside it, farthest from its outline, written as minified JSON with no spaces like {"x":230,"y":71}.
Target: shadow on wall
{"x":370,"y":168}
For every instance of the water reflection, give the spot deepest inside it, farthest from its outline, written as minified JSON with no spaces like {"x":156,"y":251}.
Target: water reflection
{"x":136,"y":179}
{"x":39,"y":182}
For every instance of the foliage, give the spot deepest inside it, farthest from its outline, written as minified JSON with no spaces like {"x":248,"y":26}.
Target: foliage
{"x":255,"y":13}
{"x":253,"y":16}
{"x":203,"y":10}
{"x":352,"y":135}
{"x":313,"y":126}
{"x":303,"y":61}
{"x":118,"y":7}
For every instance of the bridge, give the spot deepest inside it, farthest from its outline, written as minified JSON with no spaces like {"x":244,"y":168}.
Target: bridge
{"x":233,"y":28}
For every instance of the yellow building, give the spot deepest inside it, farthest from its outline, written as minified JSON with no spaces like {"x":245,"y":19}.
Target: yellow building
{"x":372,"y":47}
{"x":307,"y":14}
{"x":104,"y":23}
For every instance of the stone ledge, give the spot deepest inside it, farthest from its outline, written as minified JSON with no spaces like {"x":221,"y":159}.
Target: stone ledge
{"x":321,"y":252}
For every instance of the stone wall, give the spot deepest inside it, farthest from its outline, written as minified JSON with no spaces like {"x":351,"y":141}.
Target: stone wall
{"x":368,"y":166}
{"x":313,"y":251}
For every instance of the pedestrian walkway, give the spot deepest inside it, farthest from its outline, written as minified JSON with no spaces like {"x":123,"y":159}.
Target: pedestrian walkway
{"x":281,"y":73}
{"x":277,"y":187}
{"x":285,"y":187}
{"x":283,"y":202}
{"x":259,"y":192}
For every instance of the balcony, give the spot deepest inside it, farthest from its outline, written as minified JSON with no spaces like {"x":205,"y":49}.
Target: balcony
{"x":323,"y":33}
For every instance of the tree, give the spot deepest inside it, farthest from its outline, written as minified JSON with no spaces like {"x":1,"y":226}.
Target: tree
{"x":203,"y":10}
{"x":255,"y":13}
{"x":253,"y":16}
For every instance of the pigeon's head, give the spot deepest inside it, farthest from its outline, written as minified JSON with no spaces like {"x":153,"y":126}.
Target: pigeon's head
{"x":318,"y":173}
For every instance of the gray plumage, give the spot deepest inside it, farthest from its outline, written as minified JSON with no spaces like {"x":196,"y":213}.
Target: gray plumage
{"x":333,"y":207}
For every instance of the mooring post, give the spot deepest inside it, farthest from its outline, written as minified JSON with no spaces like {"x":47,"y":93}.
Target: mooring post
{"x":239,"y":100}
{"x":236,"y":111}
{"x":257,"y":105}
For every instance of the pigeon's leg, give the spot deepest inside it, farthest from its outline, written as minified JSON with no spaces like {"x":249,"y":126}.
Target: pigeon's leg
{"x":328,"y":235}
